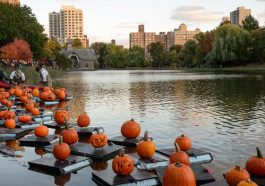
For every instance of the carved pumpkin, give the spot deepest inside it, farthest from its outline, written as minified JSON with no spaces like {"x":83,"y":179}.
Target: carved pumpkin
{"x":10,"y":115}
{"x":10,"y":123}
{"x":24,"y":119}
{"x":184,"y":142}
{"x":178,"y":174}
{"x":47,"y":96}
{"x":256,"y":164}
{"x":35,"y":92}
{"x":70,"y":136}
{"x":247,"y":183}
{"x":99,"y":165}
{"x":99,"y":140}
{"x":146,"y":147}
{"x":60,"y":94}
{"x":179,"y":156}
{"x":18,"y":92}
{"x":122,"y":164}
{"x":131,"y":129}
{"x":61,"y":151}
{"x":61,"y":116}
{"x":41,"y":131}
{"x":35,"y":111}
{"x":83,"y":120}
{"x":235,"y":175}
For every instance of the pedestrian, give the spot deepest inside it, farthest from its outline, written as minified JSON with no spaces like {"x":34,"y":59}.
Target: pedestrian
{"x":44,"y":75}
{"x":17,"y":76}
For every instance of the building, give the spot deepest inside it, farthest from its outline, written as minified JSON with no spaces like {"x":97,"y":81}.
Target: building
{"x":16,"y":2}
{"x":142,"y":38}
{"x":182,"y":35}
{"x":170,"y":40}
{"x":239,"y":15}
{"x":69,"y":22}
{"x":162,"y":38}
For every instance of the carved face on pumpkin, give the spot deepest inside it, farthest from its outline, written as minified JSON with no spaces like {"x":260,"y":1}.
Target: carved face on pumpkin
{"x":99,"y":140}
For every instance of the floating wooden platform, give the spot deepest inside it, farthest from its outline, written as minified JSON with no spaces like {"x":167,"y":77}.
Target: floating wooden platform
{"x":33,"y":141}
{"x":196,"y":156}
{"x":202,"y":177}
{"x":50,"y":164}
{"x":53,"y":124}
{"x":120,"y":140}
{"x":87,"y":131}
{"x":11,"y":134}
{"x":30,"y":125}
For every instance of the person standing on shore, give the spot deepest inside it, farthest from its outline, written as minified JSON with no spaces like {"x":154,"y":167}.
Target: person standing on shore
{"x":44,"y":75}
{"x":17,"y":76}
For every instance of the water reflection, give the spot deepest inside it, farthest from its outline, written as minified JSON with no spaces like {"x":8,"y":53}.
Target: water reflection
{"x":222,"y":113}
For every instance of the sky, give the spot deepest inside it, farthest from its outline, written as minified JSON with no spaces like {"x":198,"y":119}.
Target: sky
{"x":115,"y":19}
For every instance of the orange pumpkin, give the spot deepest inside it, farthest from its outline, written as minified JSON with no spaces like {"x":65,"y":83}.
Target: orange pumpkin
{"x":256,"y":164}
{"x":47,"y":96}
{"x":35,"y":111}
{"x":184,"y":142}
{"x":10,"y":115}
{"x":10,"y":123}
{"x":2,"y":114}
{"x":131,"y":129}
{"x":247,"y":183}
{"x":99,"y":140}
{"x":60,"y":94}
{"x":83,"y":120}
{"x":29,"y":105}
{"x":23,"y":98}
{"x":61,"y":151}
{"x":178,"y":175}
{"x":3,"y":101}
{"x":146,"y":147}
{"x":12,"y":91}
{"x":179,"y":156}
{"x":122,"y":164}
{"x":39,"y":151}
{"x":18,"y":92}
{"x":41,"y":131}
{"x":61,"y":117}
{"x":46,"y":89}
{"x":235,"y":175}
{"x":24,"y":119}
{"x":35,"y":92}
{"x":9,"y":104}
{"x":70,"y":136}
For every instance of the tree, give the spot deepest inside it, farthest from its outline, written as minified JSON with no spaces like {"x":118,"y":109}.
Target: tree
{"x":114,"y":57}
{"x":230,"y":46}
{"x":257,"y":45}
{"x":100,"y":51}
{"x":17,"y":50}
{"x":173,"y":54}
{"x":51,"y":48}
{"x":250,"y":23}
{"x":19,"y":22}
{"x":157,"y":54}
{"x":77,"y":43}
{"x":188,"y":53}
{"x":134,"y":57}
{"x":62,"y":61}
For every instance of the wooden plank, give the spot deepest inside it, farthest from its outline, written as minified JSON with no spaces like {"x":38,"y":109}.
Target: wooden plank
{"x":120,"y":140}
{"x":87,"y":131}
{"x":53,"y":124}
{"x":10,"y":134}
{"x":33,"y":141}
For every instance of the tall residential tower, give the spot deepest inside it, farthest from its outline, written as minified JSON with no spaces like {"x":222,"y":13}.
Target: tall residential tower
{"x":239,"y":15}
{"x":16,"y":2}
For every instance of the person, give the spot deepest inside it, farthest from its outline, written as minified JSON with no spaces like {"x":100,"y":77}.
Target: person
{"x":44,"y":75}
{"x":17,"y":76}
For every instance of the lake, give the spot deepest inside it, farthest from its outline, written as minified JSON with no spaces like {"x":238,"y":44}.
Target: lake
{"x":223,"y":113}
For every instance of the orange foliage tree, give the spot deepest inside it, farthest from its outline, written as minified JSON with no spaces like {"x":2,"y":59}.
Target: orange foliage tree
{"x":17,"y":50}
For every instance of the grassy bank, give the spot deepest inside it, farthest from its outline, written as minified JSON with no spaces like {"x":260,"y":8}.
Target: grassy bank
{"x":33,"y":77}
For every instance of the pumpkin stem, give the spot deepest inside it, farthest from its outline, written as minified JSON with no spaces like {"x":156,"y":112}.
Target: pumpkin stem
{"x":66,"y":124}
{"x":60,"y":140}
{"x":177,"y":147}
{"x":146,"y":136}
{"x":132,"y":119}
{"x":121,"y":153}
{"x":182,"y":135}
{"x":237,"y":167}
{"x":259,"y":154}
{"x":178,"y":164}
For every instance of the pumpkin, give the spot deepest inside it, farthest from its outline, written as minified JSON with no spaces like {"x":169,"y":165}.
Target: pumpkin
{"x":256,"y":164}
{"x":35,"y":111}
{"x":60,"y":94}
{"x":12,"y":91}
{"x":130,"y":129}
{"x":10,"y":123}
{"x":47,"y":96}
{"x":178,"y":174}
{"x":9,"y":104}
{"x":18,"y":92}
{"x":46,"y":89}
{"x":179,"y":156}
{"x":146,"y":147}
{"x":23,"y":98}
{"x":235,"y":175}
{"x":247,"y":183}
{"x":2,"y":114}
{"x":122,"y":164}
{"x":61,"y":151}
{"x":24,"y":119}
{"x":41,"y":131}
{"x":10,"y":115}
{"x":99,"y":165}
{"x":62,"y":104}
{"x":35,"y":92}
{"x":83,"y":120}
{"x":99,"y":140}
{"x":61,"y":117}
{"x":29,"y":105}
{"x":184,"y":142}
{"x":70,"y":136}
{"x":4,"y":101}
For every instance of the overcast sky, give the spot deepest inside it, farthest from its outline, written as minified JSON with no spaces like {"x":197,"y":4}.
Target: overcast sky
{"x":115,"y":19}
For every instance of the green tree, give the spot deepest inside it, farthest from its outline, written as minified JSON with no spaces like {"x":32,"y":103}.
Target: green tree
{"x":257,"y":45}
{"x":114,"y":56}
{"x":62,"y":61}
{"x":250,"y":23}
{"x":51,"y":48}
{"x":173,"y":55}
{"x":134,"y":57}
{"x":188,"y":53}
{"x":157,"y":54}
{"x":76,"y":43}
{"x":19,"y":22}
{"x":100,"y":51}
{"x":230,"y":46}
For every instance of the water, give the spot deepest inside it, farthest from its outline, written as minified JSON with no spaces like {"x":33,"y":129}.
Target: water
{"x":222,"y":113}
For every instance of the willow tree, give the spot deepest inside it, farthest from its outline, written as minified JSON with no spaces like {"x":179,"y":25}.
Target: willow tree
{"x":230,"y":46}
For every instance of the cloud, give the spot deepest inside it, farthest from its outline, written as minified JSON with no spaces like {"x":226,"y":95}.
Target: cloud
{"x":128,"y":25}
{"x":196,"y":14}
{"x":262,"y":14}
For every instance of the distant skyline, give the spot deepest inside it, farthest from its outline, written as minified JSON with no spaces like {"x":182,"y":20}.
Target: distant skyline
{"x":115,"y":19}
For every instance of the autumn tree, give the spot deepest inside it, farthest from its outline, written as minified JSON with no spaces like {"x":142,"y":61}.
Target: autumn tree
{"x":17,"y":50}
